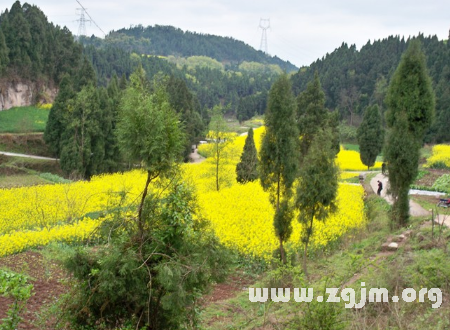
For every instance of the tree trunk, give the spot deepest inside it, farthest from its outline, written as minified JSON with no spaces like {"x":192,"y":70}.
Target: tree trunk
{"x":141,"y":205}
{"x":282,"y":254}
{"x":305,"y":252}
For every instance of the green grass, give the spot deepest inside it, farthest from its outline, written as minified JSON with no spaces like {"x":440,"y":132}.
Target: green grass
{"x":23,"y":120}
{"x":21,"y":180}
{"x":349,"y":146}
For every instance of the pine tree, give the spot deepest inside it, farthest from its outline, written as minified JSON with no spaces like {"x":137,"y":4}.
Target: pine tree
{"x":317,"y":186}
{"x":370,"y":135}
{"x":411,"y":103}
{"x":278,"y":160}
{"x":247,"y":168}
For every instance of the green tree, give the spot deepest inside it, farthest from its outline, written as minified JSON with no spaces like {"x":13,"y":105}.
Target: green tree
{"x":149,"y":280}
{"x":55,"y":123}
{"x":247,"y":168}
{"x":278,"y":159}
{"x":370,"y":135}
{"x":221,"y":138}
{"x":148,"y":130}
{"x":311,"y":113}
{"x":4,"y":59}
{"x":317,"y":186}
{"x":411,"y":103}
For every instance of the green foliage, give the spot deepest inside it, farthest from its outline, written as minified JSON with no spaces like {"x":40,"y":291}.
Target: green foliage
{"x":442,"y":183}
{"x":168,"y":40}
{"x":16,"y":287}
{"x":278,"y":160}
{"x":370,"y":136}
{"x":35,"y":48}
{"x":347,"y":133}
{"x":221,"y":138}
{"x":148,"y":129}
{"x":23,"y":120}
{"x":247,"y":168}
{"x":410,"y":103}
{"x":151,"y":281}
{"x":317,"y":186}
{"x":53,"y":178}
{"x":411,"y":90}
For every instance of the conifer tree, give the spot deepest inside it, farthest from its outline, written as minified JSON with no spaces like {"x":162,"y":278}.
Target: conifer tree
{"x":411,"y":103}
{"x":370,"y":135}
{"x":247,"y":168}
{"x":278,"y":160}
{"x":4,"y":59}
{"x":317,"y":186}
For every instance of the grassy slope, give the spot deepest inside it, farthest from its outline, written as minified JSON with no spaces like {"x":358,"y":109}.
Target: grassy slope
{"x":23,"y":119}
{"x":414,"y":265}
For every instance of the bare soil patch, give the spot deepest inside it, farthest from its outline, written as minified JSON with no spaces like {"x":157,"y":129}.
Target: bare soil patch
{"x":48,"y":281}
{"x":430,"y":177}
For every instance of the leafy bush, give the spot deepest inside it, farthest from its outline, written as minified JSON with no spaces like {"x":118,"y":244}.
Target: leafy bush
{"x":15,"y":286}
{"x":442,"y":183}
{"x":347,"y":133}
{"x":151,"y":278}
{"x":53,"y":178}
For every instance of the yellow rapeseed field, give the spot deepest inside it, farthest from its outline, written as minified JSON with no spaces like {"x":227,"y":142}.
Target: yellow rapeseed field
{"x":241,"y":215}
{"x":440,"y":156}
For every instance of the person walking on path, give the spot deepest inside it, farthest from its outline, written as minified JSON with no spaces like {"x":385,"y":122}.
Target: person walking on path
{"x":380,"y":187}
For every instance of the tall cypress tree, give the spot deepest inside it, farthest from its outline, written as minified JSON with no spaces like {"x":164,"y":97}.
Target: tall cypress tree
{"x":411,"y":104}
{"x":312,"y":115}
{"x":278,"y":160}
{"x":247,"y":168}
{"x":370,"y":136}
{"x":317,"y":187}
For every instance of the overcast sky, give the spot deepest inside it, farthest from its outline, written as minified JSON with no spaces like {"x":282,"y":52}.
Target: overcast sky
{"x":300,"y":31}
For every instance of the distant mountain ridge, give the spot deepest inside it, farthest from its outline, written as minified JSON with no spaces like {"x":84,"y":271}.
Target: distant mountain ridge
{"x":168,"y":40}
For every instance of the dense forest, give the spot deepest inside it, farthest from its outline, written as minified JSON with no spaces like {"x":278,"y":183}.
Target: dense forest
{"x":353,"y":80}
{"x":33,"y":48}
{"x":213,"y":70}
{"x":168,"y":40}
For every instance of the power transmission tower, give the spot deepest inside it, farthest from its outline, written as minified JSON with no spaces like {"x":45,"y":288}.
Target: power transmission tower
{"x":82,"y":21}
{"x":264,"y":25}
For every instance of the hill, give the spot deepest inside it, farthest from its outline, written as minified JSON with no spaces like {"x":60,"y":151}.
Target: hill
{"x":353,"y":79}
{"x":168,"y":40}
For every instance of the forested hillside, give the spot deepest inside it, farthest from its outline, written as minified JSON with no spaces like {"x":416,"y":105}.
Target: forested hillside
{"x":168,"y":40}
{"x":354,"y":79}
{"x":33,"y":48}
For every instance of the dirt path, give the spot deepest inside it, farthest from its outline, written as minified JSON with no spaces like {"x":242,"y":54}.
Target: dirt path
{"x":414,"y":209}
{"x":12,"y":154}
{"x":195,"y":157}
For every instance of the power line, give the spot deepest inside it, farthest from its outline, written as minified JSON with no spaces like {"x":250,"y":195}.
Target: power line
{"x":82,"y":20}
{"x":264,"y":24}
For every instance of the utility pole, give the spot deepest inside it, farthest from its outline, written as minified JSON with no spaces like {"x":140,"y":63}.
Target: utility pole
{"x":264,"y":25}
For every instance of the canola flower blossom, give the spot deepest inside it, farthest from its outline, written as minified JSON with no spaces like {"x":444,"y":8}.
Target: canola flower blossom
{"x":240,"y":215}
{"x":349,"y":160}
{"x":440,"y":156}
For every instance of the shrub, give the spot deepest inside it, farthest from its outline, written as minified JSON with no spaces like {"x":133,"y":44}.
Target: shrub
{"x":149,"y":278}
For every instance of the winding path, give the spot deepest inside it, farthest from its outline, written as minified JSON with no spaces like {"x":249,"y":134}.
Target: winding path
{"x":414,"y":209}
{"x":12,"y":154}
